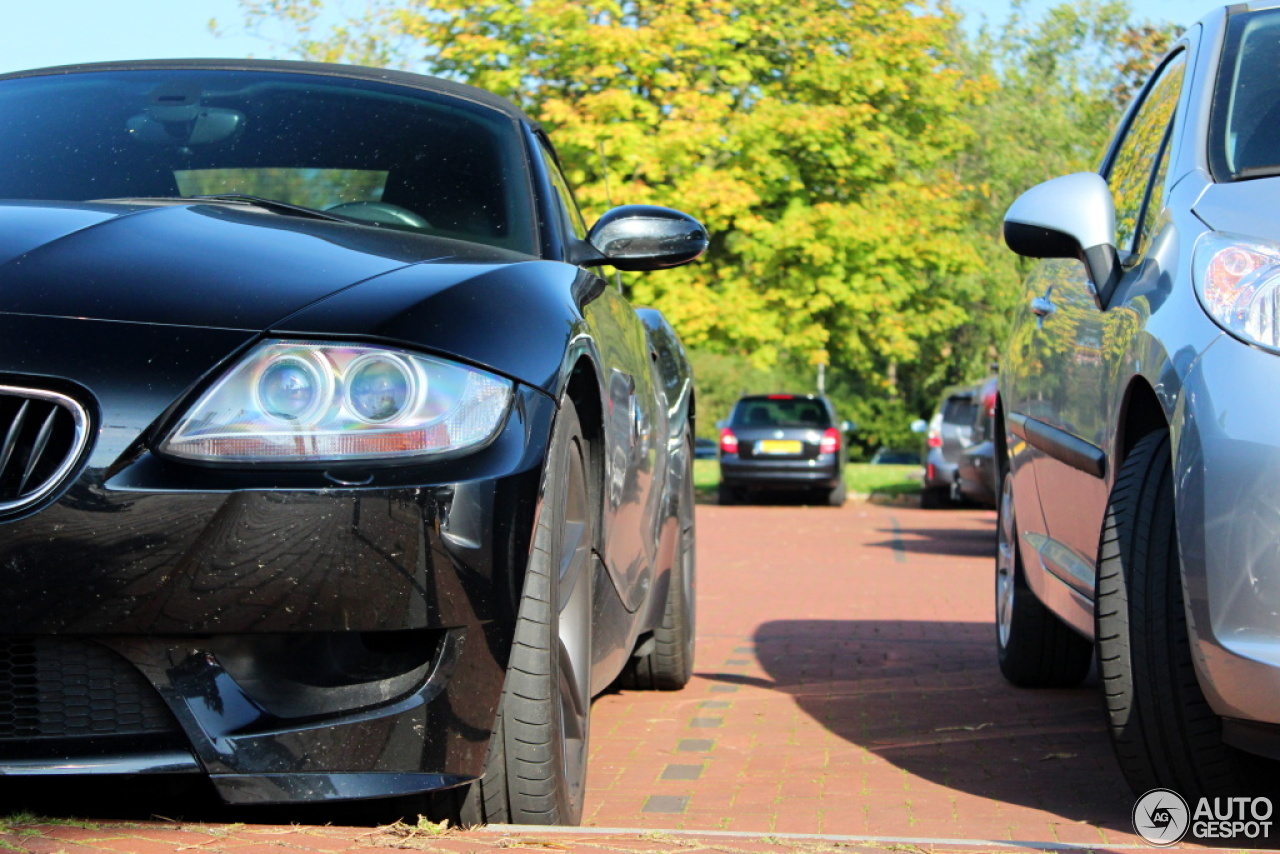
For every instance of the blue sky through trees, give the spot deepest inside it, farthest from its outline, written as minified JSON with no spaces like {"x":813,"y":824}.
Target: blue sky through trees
{"x":59,"y":32}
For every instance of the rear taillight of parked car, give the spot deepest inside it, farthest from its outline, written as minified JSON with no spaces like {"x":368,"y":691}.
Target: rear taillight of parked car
{"x":830,"y":441}
{"x":728,"y":441}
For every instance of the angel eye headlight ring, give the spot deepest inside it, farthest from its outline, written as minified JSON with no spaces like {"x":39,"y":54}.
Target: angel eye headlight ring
{"x":382,"y":387}
{"x":309,"y":402}
{"x":294,"y":386}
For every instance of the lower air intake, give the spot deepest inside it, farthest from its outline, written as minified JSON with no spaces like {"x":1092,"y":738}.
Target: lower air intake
{"x":65,"y":688}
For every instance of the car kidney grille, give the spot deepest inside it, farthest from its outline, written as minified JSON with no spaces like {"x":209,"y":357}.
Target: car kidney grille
{"x":42,"y":434}
{"x":59,"y":688}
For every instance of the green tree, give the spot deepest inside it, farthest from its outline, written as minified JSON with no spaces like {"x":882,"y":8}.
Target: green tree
{"x":852,"y":159}
{"x":815,"y":138}
{"x":1057,"y":86}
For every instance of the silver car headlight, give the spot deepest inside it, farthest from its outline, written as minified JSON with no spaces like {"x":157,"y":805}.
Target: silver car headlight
{"x":1238,"y":282}
{"x":311,"y":401}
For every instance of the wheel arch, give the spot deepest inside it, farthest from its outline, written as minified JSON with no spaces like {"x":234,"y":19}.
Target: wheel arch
{"x":1001,"y":439}
{"x":584,"y":388}
{"x":1141,"y":414}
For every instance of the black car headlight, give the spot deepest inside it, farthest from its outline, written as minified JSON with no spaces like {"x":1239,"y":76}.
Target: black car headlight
{"x":311,"y":401}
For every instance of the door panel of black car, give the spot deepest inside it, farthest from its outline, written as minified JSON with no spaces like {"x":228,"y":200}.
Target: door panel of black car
{"x":1079,"y":348}
{"x":635,"y":426}
{"x":635,"y":445}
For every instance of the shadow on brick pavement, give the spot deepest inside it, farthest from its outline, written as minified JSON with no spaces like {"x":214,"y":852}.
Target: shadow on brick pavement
{"x":925,"y":697}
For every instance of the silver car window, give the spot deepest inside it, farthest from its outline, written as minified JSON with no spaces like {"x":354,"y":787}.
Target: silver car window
{"x":1245,"y":125}
{"x":1131,"y":171}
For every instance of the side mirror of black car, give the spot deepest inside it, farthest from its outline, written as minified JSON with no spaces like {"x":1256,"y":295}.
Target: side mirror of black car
{"x":1072,"y":216}
{"x":646,"y":237}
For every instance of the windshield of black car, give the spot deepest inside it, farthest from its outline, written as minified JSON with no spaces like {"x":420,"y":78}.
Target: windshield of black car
{"x":780,"y":412}
{"x":377,"y":153}
{"x":1243,"y":142}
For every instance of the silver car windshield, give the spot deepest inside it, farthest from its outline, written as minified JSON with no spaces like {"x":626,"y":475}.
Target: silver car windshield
{"x":361,"y":150}
{"x":1245,"y":126}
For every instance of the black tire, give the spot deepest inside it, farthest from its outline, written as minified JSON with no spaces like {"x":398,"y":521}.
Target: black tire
{"x":668,"y":665}
{"x":1035,"y":647}
{"x":836,"y":497}
{"x":935,"y":497}
{"x":535,"y":772}
{"x":727,"y":495}
{"x":1164,"y":733}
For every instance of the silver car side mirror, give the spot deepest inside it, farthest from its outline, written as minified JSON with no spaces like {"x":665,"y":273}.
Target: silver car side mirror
{"x":1072,"y":216}
{"x":647,"y":237}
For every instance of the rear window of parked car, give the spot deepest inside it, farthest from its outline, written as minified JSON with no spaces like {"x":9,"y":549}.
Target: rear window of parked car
{"x":959,"y":410}
{"x":780,"y":412}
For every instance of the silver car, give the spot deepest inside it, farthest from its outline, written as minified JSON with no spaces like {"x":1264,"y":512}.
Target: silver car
{"x":1140,"y":429}
{"x":948,"y":433}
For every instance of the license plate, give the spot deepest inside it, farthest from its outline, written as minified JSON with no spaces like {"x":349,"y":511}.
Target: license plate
{"x":779,"y":446}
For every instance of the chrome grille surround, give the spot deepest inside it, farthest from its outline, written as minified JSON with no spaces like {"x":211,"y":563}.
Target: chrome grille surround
{"x":43,"y":435}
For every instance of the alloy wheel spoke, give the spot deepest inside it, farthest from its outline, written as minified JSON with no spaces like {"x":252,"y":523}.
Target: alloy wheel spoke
{"x":1006,"y":565}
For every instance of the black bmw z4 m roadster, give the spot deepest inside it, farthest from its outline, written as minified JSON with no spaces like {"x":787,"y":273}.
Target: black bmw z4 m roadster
{"x":330,"y":466}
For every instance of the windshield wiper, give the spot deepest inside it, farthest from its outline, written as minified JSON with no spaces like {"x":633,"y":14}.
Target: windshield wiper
{"x":1257,"y":172}
{"x":273,"y":205}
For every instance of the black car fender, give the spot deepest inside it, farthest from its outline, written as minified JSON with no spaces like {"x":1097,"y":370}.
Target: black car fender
{"x":514,"y":319}
{"x":536,"y":322}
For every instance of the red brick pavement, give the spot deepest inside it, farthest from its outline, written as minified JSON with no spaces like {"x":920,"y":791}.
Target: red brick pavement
{"x":845,"y":685}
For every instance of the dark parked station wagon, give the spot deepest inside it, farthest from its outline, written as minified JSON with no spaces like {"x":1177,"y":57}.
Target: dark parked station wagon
{"x":782,"y":441}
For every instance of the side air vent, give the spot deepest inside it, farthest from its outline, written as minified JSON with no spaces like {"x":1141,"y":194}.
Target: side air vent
{"x":42,"y":434}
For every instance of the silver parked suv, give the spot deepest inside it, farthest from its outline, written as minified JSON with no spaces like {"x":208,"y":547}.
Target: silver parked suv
{"x":947,"y":435}
{"x":1139,"y":426}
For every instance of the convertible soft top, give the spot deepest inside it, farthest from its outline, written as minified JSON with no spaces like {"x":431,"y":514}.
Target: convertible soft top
{"x":329,"y":69}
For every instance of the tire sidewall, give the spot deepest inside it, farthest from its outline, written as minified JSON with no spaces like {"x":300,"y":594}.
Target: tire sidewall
{"x":533,"y":723}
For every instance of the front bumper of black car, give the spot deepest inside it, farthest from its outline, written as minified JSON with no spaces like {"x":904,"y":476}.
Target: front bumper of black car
{"x":293,"y":638}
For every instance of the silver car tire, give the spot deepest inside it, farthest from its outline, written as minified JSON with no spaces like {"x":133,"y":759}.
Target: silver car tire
{"x":1036,"y":649}
{"x":934,"y":497}
{"x":1164,"y":733}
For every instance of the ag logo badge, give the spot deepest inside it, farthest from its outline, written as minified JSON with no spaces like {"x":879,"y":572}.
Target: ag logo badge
{"x":1161,"y":817}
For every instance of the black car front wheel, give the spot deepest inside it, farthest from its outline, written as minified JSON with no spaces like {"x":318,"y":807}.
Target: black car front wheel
{"x":536,"y":768}
{"x":1164,"y":733}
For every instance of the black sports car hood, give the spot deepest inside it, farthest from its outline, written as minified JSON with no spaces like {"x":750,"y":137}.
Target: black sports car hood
{"x":199,"y":265}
